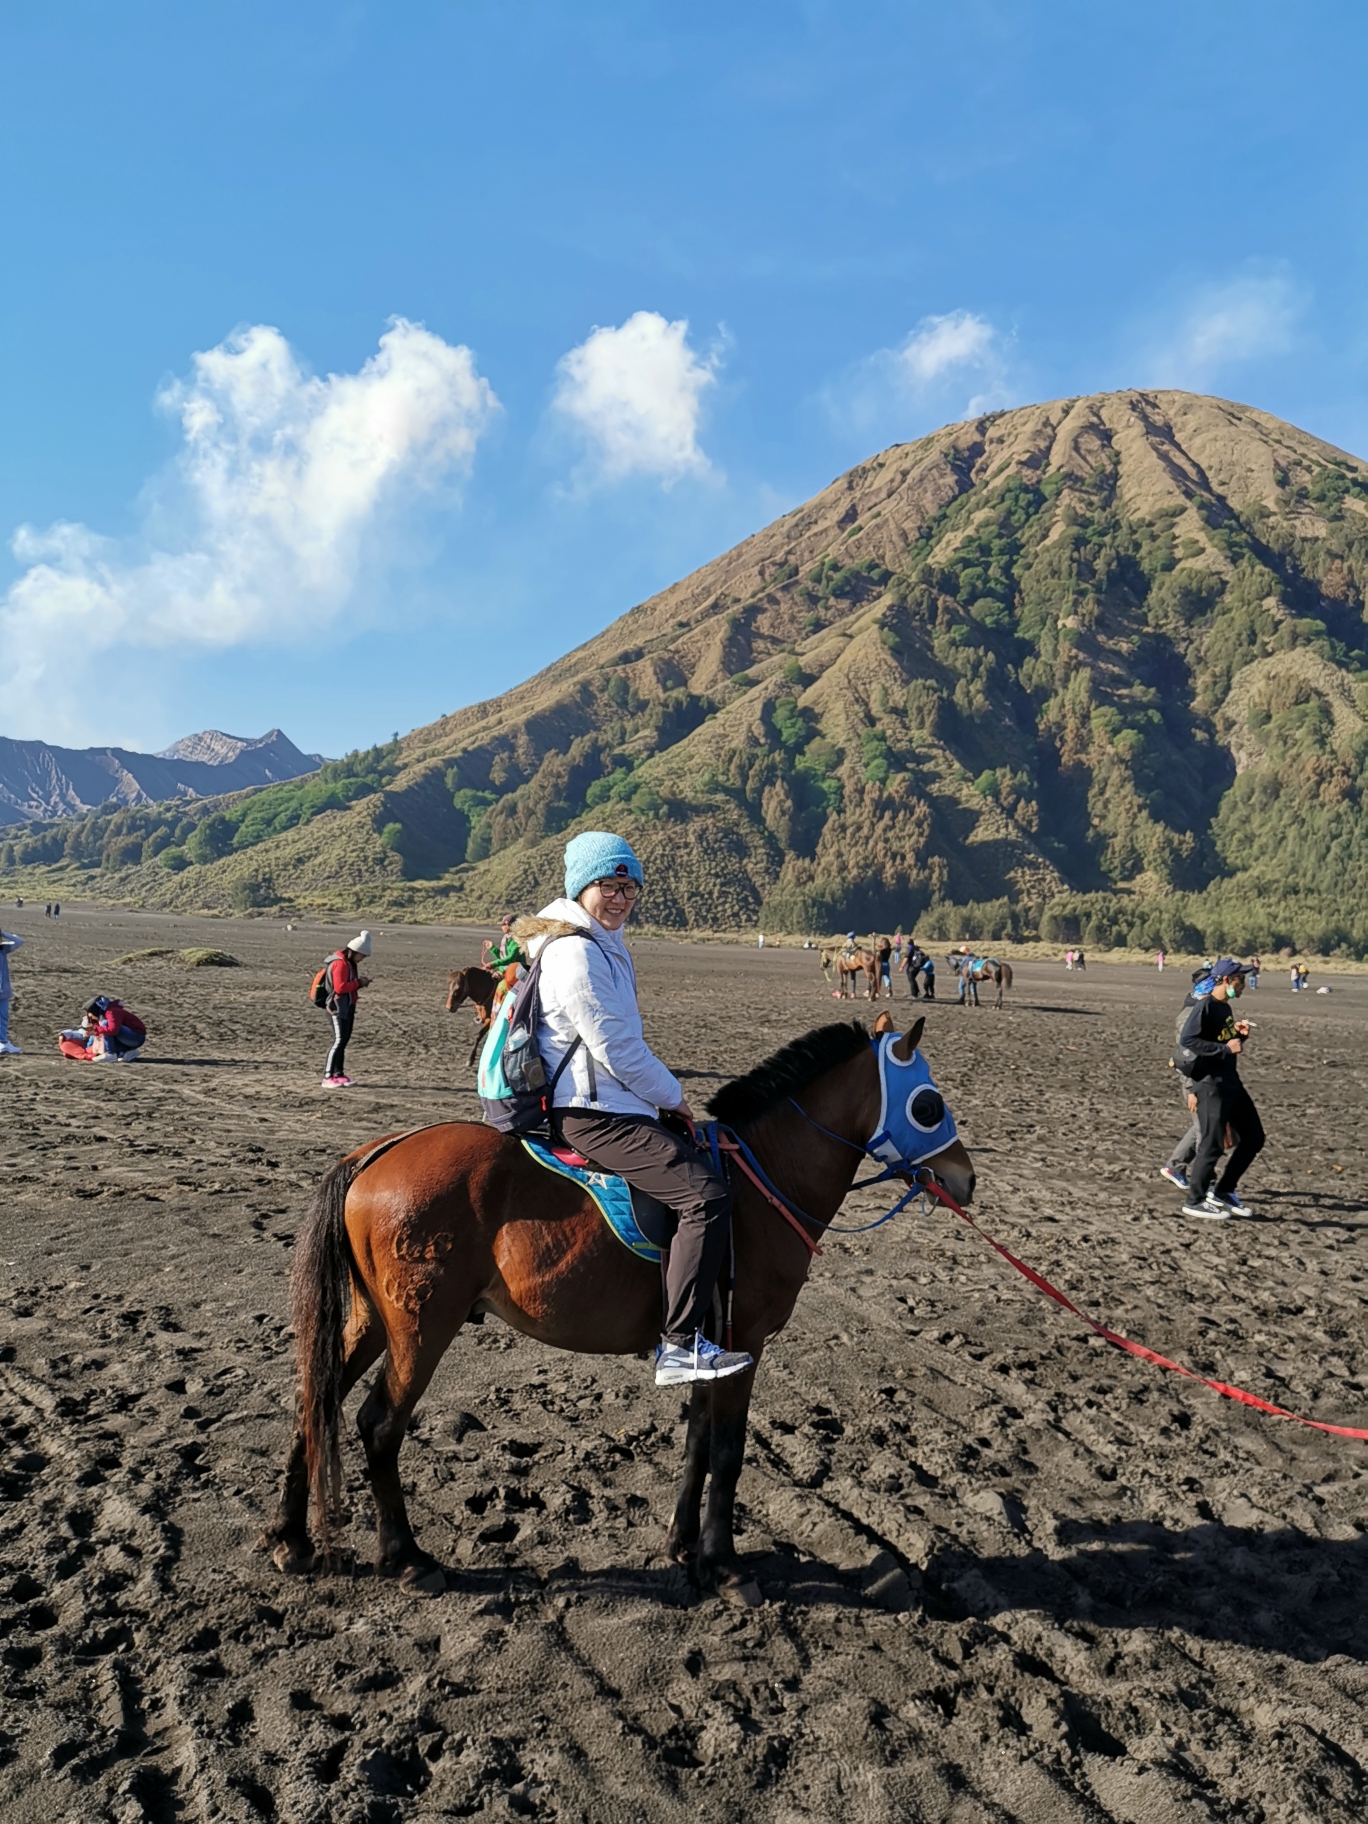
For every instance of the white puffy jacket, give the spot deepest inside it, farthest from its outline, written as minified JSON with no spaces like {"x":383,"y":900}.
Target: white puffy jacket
{"x":588,"y":988}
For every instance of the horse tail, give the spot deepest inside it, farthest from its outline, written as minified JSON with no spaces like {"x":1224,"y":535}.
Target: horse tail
{"x":1006,"y":976}
{"x":320,"y":1304}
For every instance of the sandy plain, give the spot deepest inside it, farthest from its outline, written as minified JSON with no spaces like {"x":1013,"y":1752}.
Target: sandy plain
{"x":1010,"y":1572}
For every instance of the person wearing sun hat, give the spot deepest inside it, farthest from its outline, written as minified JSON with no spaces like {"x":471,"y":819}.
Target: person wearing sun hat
{"x":610,"y":1088}
{"x":344,"y":984}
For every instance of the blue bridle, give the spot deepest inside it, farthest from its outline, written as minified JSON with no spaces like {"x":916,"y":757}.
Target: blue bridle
{"x":914,"y":1124}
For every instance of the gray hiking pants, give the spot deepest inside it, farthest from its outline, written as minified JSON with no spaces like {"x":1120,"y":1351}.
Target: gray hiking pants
{"x":670,"y":1168}
{"x":1185,"y":1152}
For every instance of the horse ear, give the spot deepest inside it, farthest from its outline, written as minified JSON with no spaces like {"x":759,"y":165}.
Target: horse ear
{"x":903,"y":1048}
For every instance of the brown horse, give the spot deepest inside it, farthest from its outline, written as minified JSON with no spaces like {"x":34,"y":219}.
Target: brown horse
{"x":406,"y":1241}
{"x":477,"y":986}
{"x":1000,"y":974}
{"x":853,"y":964}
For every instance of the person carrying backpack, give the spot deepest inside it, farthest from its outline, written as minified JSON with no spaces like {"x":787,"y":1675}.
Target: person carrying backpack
{"x":1182,"y":1156}
{"x":340,"y":985}
{"x":608,"y":1089}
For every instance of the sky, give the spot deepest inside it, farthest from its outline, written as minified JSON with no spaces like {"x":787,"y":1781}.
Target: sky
{"x":358,"y":360}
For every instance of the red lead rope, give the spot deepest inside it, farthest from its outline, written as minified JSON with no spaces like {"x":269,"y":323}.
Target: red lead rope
{"x":1124,"y":1342}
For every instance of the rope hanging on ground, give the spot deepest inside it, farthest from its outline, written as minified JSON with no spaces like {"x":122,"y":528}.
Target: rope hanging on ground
{"x":1224,"y":1388}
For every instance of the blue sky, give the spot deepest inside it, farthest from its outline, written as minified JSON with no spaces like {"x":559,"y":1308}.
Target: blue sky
{"x":359,"y":359}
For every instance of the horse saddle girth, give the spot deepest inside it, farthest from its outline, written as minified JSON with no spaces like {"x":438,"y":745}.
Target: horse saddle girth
{"x":640,"y":1222}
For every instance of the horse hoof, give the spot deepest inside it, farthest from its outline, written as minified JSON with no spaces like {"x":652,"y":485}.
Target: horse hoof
{"x":423,"y":1580}
{"x":290,"y":1560}
{"x":742,"y":1592}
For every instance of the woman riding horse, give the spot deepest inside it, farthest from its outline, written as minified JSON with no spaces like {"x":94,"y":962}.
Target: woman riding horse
{"x":609,"y":1088}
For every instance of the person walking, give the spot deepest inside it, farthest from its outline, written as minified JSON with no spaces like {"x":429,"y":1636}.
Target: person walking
{"x":1160,"y":960}
{"x":344,"y":984}
{"x":1180,"y":1159}
{"x":1214,"y":1039}
{"x":9,"y":943}
{"x":610,"y":1090}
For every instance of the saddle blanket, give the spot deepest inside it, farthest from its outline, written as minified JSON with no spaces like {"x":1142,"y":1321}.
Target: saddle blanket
{"x":638,"y":1221}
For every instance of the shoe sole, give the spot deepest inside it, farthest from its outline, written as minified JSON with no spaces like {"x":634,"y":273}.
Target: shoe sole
{"x":681,"y":1377}
{"x":1194,"y":1209}
{"x":1179,"y":1184}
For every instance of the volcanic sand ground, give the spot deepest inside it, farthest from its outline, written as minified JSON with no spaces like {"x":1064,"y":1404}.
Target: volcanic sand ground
{"x":1010,"y":1572}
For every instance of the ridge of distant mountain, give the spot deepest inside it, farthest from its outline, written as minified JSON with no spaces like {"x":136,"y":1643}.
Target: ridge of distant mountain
{"x":1095,"y":667}
{"x":214,"y":748}
{"x":41,"y":781}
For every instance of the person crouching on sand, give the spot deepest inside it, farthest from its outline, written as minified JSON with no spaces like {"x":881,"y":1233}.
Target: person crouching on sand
{"x":344,"y":984}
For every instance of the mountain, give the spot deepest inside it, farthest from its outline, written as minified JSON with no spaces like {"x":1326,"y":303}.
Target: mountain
{"x":38,"y":781}
{"x":1097,"y":666}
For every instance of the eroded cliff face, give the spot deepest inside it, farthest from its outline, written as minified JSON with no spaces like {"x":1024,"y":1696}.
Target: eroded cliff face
{"x":1107,"y":643}
{"x":38,"y":780}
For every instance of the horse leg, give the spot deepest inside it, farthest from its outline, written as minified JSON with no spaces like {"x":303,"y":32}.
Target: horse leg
{"x":717,"y":1565}
{"x":683,"y":1534}
{"x":382,"y":1422}
{"x":287,"y":1537}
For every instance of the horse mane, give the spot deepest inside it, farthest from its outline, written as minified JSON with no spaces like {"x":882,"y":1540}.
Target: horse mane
{"x":789,"y":1071}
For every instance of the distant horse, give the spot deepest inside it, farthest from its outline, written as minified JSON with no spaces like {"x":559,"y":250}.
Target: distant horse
{"x":411,"y":1237}
{"x":975,"y":969}
{"x":850,"y":965}
{"x":477,"y":986}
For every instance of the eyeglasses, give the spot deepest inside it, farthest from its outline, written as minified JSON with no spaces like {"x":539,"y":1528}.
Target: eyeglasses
{"x":623,"y":889}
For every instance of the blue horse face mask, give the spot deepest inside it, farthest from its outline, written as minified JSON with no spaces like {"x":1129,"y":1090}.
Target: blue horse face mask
{"x":914,"y":1122}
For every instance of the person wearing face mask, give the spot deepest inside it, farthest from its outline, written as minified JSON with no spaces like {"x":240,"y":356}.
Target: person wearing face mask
{"x":1213,"y":1038}
{"x":610,"y":1089}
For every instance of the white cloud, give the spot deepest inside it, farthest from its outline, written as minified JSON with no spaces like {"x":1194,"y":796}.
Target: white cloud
{"x":938,"y":344}
{"x":278,"y":498}
{"x":925,"y":377}
{"x":635,"y":395}
{"x":1242,"y":320}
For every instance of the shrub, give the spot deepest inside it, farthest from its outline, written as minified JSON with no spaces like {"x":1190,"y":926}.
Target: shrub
{"x":174,"y":859}
{"x":210,"y":840}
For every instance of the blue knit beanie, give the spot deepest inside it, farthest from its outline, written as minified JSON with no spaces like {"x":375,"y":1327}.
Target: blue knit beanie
{"x":594,"y":855}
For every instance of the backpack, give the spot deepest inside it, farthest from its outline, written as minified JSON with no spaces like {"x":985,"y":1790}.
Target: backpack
{"x":515,"y":1092}
{"x":1184,"y":1061}
{"x":321,"y":992}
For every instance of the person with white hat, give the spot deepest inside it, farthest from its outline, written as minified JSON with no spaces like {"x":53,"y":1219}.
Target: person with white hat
{"x":609,"y":1090}
{"x":344,"y":984}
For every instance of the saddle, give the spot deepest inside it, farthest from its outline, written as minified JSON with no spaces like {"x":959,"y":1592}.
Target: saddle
{"x":641,"y":1223}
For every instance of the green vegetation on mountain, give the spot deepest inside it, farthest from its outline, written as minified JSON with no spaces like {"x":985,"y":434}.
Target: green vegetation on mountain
{"x":1092,"y":669}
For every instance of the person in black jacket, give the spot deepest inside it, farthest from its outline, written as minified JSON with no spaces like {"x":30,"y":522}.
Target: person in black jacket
{"x":1213,"y":1038}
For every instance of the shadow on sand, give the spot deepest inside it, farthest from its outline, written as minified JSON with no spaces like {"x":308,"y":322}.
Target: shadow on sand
{"x":1275,"y":1589}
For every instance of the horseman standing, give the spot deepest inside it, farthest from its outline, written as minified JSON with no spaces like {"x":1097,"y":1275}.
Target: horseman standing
{"x":608,"y":1098}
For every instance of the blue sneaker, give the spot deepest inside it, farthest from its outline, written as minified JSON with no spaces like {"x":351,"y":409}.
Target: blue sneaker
{"x":1232,"y":1202}
{"x":1174,"y":1176}
{"x":676,"y":1363}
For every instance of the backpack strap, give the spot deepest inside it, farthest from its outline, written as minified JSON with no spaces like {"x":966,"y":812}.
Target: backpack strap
{"x":578,"y":1040}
